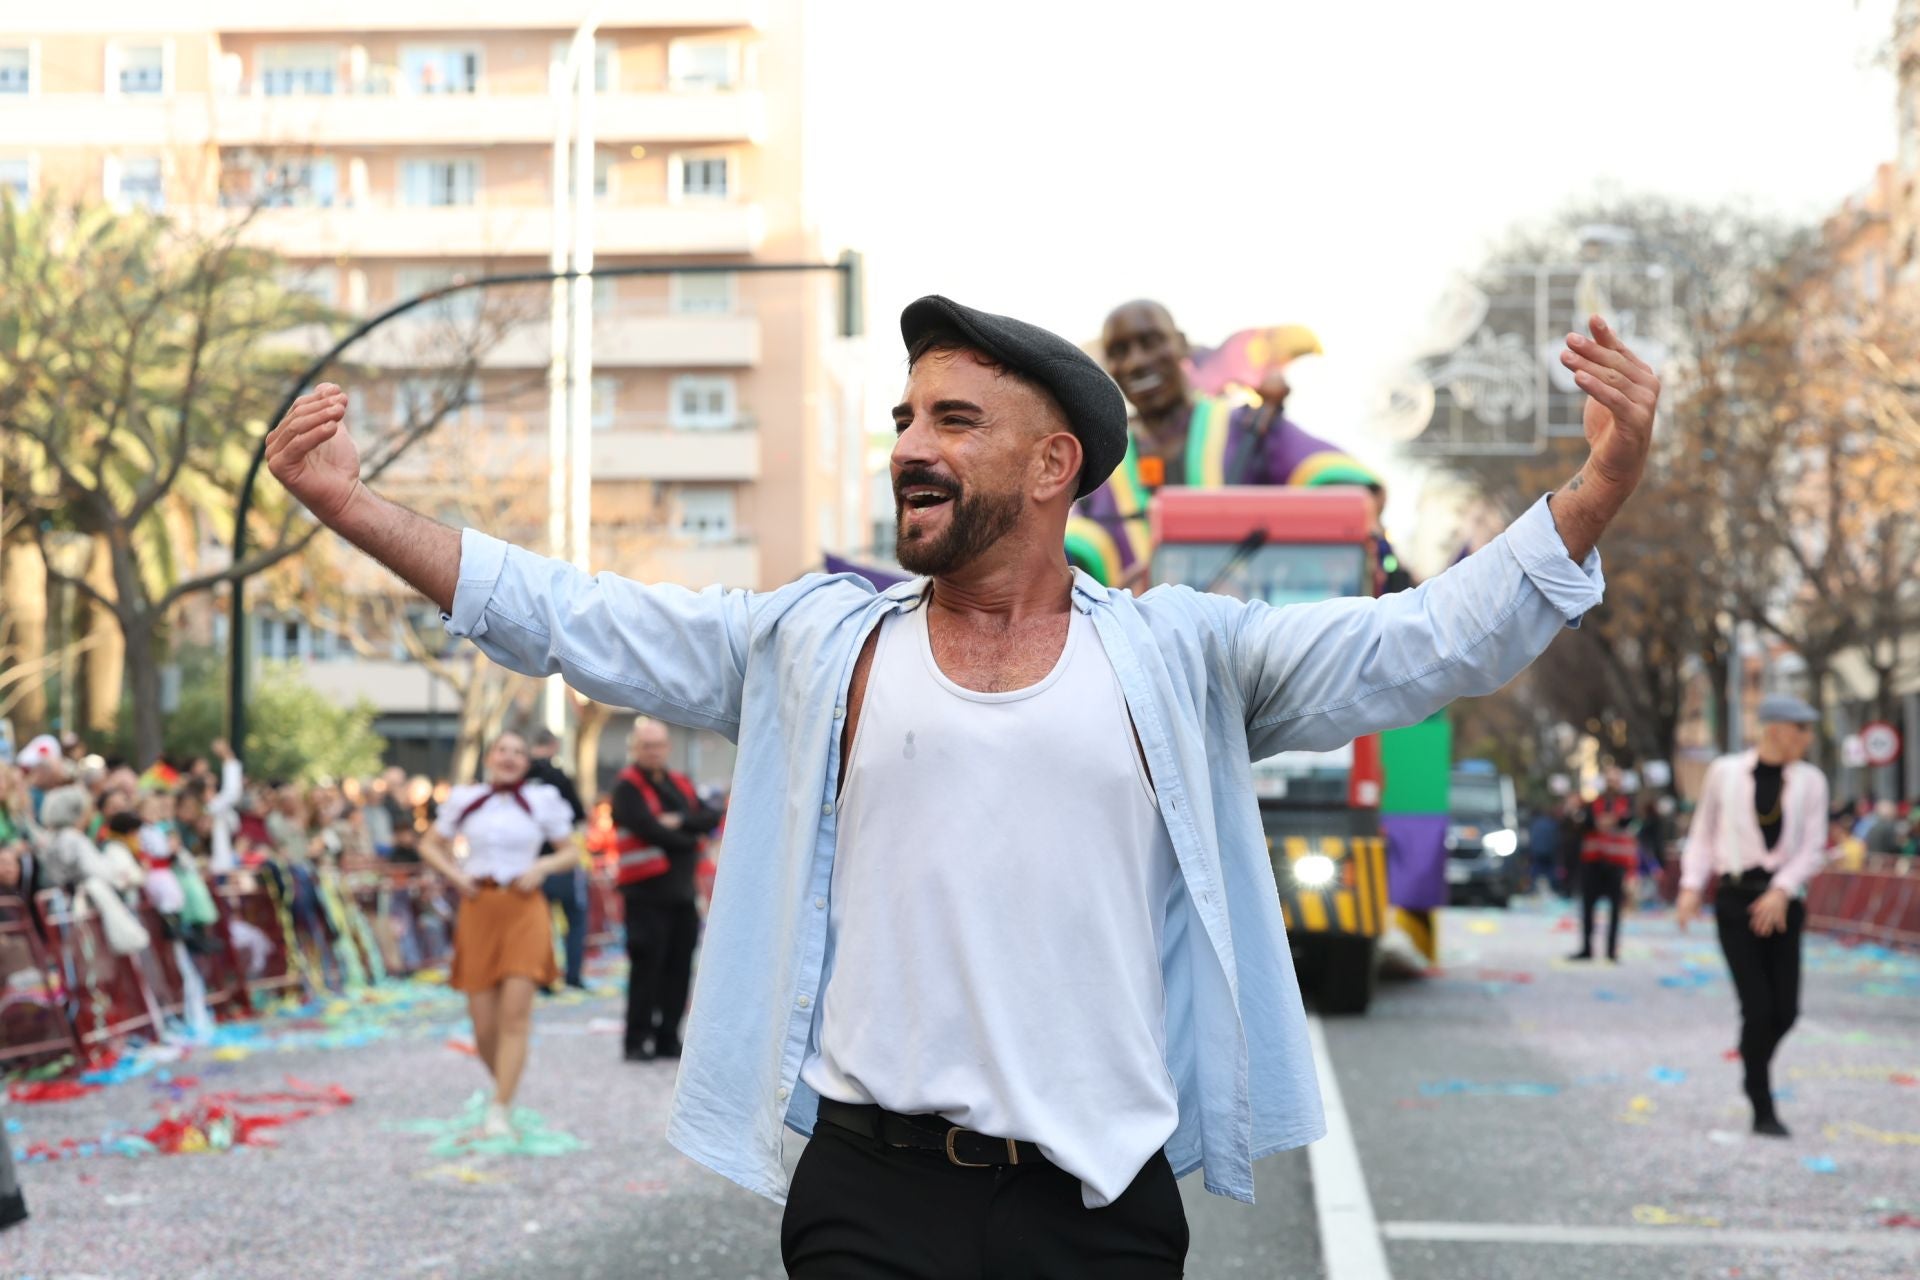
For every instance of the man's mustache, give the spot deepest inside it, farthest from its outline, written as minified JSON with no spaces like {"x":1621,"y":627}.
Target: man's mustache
{"x":923,"y":479}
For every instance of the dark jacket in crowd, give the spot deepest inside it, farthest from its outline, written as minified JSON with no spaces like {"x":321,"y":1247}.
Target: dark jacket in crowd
{"x":681,"y":844}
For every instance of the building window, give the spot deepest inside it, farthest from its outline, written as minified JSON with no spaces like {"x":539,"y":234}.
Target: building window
{"x":297,"y":640}
{"x":411,"y":282}
{"x":606,"y":64}
{"x":706,"y":512}
{"x":291,"y":69}
{"x":137,"y":184}
{"x":703,"y":293}
{"x":440,"y":70}
{"x":701,"y":177}
{"x":703,"y":64}
{"x":606,"y":394}
{"x":602,"y":174}
{"x":416,"y":399}
{"x":702,"y":402}
{"x":606,"y":294}
{"x":439,"y":183}
{"x":16,"y":177}
{"x":320,"y":283}
{"x":142,"y":69}
{"x":1871,"y":274}
{"x":302,"y":182}
{"x":16,"y":70}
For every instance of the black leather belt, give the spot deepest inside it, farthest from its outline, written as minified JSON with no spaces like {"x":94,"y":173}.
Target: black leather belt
{"x":963,"y":1147}
{"x":1754,"y":880}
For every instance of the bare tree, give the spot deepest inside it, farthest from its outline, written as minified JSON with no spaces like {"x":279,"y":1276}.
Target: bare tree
{"x":1670,"y":557}
{"x":140,"y":360}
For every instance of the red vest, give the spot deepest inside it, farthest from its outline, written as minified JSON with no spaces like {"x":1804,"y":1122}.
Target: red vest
{"x":1618,"y":846}
{"x":635,"y":859}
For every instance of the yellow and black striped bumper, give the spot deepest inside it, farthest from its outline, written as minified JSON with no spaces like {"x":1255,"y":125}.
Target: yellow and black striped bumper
{"x":1354,"y":902}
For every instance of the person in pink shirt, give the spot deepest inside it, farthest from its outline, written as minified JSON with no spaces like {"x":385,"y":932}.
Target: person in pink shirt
{"x":1758,"y":836}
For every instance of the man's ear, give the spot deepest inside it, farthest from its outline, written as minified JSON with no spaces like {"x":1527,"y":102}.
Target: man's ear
{"x":1180,"y":345}
{"x":1061,"y":459}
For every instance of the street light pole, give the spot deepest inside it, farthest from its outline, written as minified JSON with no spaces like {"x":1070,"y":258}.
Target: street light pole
{"x":849,"y":268}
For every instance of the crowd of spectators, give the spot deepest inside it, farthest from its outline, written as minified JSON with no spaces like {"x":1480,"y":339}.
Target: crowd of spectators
{"x":75,"y":826}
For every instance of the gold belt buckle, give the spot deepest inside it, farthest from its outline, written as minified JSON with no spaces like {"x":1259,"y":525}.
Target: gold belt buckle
{"x":1013,"y":1151}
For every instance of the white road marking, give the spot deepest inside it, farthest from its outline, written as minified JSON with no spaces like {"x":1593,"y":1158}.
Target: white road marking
{"x":1350,"y":1242}
{"x":1651,"y":1237}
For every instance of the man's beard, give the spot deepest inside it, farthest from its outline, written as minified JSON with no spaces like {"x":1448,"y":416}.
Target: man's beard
{"x":975,"y":523}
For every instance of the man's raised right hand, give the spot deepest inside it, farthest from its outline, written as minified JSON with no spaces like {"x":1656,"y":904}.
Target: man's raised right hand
{"x":311,"y":453}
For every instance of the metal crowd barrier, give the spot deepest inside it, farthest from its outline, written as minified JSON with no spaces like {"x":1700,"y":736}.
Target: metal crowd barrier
{"x":34,"y":1022}
{"x":1878,"y":902}
{"x":63,"y":990}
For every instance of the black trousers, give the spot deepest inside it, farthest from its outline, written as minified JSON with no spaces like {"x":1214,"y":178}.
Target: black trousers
{"x":660,"y":940}
{"x":569,"y":889}
{"x":860,"y":1210}
{"x":1766,"y":975}
{"x":1601,"y":880}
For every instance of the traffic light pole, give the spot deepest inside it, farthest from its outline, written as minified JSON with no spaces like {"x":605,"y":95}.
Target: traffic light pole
{"x":848,"y":268}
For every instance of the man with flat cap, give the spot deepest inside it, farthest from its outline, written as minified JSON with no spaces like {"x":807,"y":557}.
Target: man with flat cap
{"x":1181,"y":436}
{"x":996,"y":924}
{"x":1759,"y":834}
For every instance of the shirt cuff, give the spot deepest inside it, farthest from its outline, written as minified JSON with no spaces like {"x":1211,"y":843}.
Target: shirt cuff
{"x":481,"y":560}
{"x":1571,"y":588}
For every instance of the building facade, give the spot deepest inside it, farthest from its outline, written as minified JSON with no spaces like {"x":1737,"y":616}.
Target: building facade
{"x":384,"y":148}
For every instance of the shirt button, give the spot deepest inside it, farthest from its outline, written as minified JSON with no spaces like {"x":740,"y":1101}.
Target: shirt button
{"x":826,"y":810}
{"x":819,"y":904}
{"x":782,"y":1094}
{"x":839,"y":713}
{"x":806,"y":1002}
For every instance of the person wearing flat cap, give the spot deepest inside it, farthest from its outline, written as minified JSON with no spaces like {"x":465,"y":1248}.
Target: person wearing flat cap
{"x":996,"y":924}
{"x":1759,"y":834}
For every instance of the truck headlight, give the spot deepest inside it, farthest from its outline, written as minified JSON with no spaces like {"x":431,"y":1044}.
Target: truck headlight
{"x":1500,"y":843}
{"x":1314,"y":871}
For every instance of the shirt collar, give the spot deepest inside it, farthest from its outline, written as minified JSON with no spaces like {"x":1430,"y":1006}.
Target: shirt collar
{"x":911,"y":594}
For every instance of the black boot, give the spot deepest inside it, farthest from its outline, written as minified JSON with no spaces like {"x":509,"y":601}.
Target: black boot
{"x":1770,"y":1127}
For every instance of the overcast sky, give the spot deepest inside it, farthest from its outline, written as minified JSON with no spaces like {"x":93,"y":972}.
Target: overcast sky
{"x":1328,"y":164}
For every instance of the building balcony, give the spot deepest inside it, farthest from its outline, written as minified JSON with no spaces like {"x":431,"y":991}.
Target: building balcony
{"x":621,"y":340}
{"x":626,"y":341}
{"x":647,"y":452}
{"x":703,"y":564}
{"x":390,"y":686}
{"x":92,"y":119}
{"x":482,"y":231}
{"x":116,"y":16}
{"x":482,"y":119}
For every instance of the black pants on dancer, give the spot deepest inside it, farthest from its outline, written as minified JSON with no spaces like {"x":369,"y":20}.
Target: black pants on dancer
{"x":1601,"y":880}
{"x":1766,"y":975}
{"x":660,"y":941}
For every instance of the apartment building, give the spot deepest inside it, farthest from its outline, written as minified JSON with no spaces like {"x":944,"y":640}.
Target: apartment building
{"x":383,"y":147}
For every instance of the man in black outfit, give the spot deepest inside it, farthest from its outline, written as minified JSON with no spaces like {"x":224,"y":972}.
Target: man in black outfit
{"x":1758,"y":836}
{"x":661,"y":828}
{"x":569,"y":887}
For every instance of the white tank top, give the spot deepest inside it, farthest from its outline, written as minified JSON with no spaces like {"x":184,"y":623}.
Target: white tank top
{"x":1000,"y":888}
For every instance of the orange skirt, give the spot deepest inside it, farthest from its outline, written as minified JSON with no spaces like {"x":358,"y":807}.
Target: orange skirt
{"x":503,"y":933}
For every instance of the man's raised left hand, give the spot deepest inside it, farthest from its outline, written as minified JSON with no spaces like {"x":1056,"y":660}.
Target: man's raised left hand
{"x":1622,"y":393}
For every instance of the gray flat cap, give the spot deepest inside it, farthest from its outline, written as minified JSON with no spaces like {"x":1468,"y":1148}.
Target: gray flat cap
{"x":1781,"y":708}
{"x":1090,"y":398}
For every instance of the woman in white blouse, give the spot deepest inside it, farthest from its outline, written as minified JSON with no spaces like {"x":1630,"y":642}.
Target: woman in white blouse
{"x":503,"y":940}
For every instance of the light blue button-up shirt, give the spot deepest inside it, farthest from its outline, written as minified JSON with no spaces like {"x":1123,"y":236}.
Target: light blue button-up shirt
{"x":1211,"y":684}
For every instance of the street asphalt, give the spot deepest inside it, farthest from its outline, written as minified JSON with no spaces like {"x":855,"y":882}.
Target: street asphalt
{"x":1515,"y":1115}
